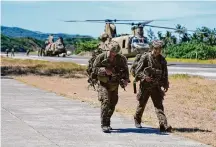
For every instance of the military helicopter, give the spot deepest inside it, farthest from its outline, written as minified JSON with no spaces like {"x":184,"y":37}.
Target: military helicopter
{"x":56,"y":48}
{"x":131,"y":44}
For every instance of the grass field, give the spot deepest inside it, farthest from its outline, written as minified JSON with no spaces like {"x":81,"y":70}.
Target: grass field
{"x":212,"y":61}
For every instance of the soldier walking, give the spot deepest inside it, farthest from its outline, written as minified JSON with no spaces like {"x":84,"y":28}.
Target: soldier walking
{"x":111,"y":70}
{"x":12,"y":52}
{"x":101,"y":47}
{"x":7,"y":52}
{"x":153,"y":75}
{"x":28,"y":51}
{"x":104,"y":41}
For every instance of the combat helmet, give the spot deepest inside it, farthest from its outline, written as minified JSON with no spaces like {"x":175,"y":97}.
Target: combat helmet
{"x":114,"y":46}
{"x":157,"y":44}
{"x":104,"y":36}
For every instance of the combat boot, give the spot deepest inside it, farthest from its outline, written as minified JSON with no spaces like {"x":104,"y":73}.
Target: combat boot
{"x":110,"y":127}
{"x":165,"y":129}
{"x":105,"y":129}
{"x":137,"y":123}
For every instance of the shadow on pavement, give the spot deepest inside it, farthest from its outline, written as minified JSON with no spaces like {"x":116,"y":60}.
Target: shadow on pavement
{"x":189,"y":130}
{"x":144,"y":130}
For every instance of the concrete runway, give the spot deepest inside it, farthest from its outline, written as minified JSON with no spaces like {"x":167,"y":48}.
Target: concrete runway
{"x":204,"y":70}
{"x":32,"y":117}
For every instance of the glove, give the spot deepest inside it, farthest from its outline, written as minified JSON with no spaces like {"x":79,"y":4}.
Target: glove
{"x":102,"y":71}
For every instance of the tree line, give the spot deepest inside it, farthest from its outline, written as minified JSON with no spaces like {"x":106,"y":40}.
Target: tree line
{"x":200,"y":44}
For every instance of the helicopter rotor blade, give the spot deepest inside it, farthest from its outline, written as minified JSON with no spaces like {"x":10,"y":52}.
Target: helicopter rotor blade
{"x":138,"y":23}
{"x":170,"y":28}
{"x":111,"y":20}
{"x":82,"y":21}
{"x":195,"y":31}
{"x":115,"y":20}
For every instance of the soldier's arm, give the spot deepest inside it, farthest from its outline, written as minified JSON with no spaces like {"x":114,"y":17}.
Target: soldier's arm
{"x":97,"y":66}
{"x":165,"y":75}
{"x":140,"y":68}
{"x":125,"y":75}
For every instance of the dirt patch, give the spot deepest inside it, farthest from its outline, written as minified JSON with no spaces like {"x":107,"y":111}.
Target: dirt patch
{"x":190,"y":104}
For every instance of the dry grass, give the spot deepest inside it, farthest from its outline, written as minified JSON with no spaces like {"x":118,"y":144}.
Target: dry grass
{"x":189,"y":104}
{"x":10,"y":66}
{"x":209,"y":61}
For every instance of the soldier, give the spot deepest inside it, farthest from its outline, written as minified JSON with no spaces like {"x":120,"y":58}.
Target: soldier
{"x":7,"y":52}
{"x":12,"y":52}
{"x":51,"y":39}
{"x":41,"y":52}
{"x":103,"y":45}
{"x":111,"y":70}
{"x":153,"y":75}
{"x":28,"y":51}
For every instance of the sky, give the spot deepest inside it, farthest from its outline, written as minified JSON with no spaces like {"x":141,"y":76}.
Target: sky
{"x":47,"y":16}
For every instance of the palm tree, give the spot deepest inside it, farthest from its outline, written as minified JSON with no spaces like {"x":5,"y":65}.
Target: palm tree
{"x":180,"y":30}
{"x":151,"y":34}
{"x":160,"y":36}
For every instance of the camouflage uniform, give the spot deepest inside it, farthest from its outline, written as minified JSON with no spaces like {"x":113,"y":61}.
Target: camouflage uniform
{"x":7,"y":52}
{"x":103,"y":45}
{"x":155,"y":67}
{"x":108,"y":84}
{"x":12,"y":52}
{"x":28,"y":51}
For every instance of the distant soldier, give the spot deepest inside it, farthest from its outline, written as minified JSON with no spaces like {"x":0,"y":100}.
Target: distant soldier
{"x":12,"y":52}
{"x":39,"y":52}
{"x":103,"y":45}
{"x":7,"y":52}
{"x":27,"y":52}
{"x":51,"y":39}
{"x":60,"y":43}
{"x":152,"y":73}
{"x":49,"y":42}
{"x":111,"y":70}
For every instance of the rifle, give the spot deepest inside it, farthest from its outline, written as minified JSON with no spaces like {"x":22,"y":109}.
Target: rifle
{"x":92,"y":83}
{"x":151,"y":72}
{"x":115,"y":69}
{"x":121,"y":81}
{"x":134,"y":87}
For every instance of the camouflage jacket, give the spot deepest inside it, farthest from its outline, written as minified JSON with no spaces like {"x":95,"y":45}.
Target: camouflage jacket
{"x":103,"y":45}
{"x":118,"y":66}
{"x":153,"y":67}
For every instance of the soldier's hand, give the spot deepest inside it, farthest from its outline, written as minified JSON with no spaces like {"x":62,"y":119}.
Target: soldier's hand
{"x":108,"y":71}
{"x":165,"y":89}
{"x":148,"y":79}
{"x":125,"y":82}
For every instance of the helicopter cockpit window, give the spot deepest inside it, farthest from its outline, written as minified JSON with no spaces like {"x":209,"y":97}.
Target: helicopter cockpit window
{"x":145,"y":41}
{"x":135,"y":41}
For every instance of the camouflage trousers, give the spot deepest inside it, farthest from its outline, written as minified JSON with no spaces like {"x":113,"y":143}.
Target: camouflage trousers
{"x":157,"y":99}
{"x":41,"y":52}
{"x":108,"y":100}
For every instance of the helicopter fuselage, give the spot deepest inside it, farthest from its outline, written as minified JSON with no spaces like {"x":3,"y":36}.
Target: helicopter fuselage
{"x":132,"y":45}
